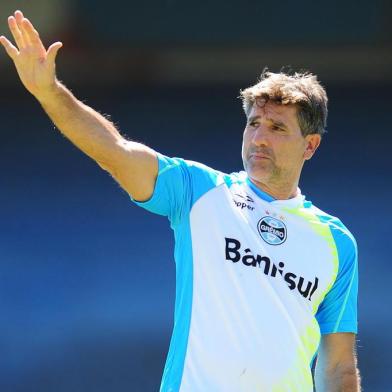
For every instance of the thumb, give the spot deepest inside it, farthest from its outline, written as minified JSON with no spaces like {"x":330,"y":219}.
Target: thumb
{"x":52,"y":51}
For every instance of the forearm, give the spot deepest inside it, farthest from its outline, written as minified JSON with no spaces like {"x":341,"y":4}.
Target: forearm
{"x":87,"y":129}
{"x":132,"y":164}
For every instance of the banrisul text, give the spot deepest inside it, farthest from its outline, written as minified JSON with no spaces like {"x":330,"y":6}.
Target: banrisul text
{"x":234,"y":253}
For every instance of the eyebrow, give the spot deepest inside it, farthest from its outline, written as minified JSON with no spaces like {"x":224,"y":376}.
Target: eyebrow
{"x":253,"y":118}
{"x":277,"y":123}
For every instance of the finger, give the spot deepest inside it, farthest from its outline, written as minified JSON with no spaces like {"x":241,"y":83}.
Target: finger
{"x":19,"y":21}
{"x":18,"y":15}
{"x":33,"y":35}
{"x":9,"y":48}
{"x":52,"y":51}
{"x":16,"y":32}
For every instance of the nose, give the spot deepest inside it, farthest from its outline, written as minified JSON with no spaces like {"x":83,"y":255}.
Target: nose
{"x":260,"y":136}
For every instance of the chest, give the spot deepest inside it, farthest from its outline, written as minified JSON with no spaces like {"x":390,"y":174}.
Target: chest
{"x":288,"y":247}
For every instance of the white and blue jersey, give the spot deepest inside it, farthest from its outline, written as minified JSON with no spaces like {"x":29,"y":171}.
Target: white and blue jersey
{"x":258,"y":281}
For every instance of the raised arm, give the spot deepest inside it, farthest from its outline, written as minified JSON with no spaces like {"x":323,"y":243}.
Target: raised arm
{"x":132,"y":164}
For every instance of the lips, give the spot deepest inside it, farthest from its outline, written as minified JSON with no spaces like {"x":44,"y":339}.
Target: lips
{"x":258,"y":156}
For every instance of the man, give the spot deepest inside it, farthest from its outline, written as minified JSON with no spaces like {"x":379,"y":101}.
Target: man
{"x":265,"y":280}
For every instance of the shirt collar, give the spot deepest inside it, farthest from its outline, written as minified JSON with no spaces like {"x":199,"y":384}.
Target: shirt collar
{"x":294,"y":201}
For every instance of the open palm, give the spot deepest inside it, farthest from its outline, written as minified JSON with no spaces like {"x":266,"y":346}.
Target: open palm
{"x":34,"y":64}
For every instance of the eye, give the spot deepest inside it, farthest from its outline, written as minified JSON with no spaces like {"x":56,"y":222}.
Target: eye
{"x":254,"y":124}
{"x":276,"y":128}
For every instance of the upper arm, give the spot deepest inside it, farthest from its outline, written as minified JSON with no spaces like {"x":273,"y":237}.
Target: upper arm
{"x":179,"y":184}
{"x":336,"y":349}
{"x":135,"y":167}
{"x":336,"y":358}
{"x":337,"y":317}
{"x":338,"y":310}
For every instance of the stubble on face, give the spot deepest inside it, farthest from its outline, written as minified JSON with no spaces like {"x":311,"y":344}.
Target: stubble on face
{"x":266,"y":153}
{"x":263,"y":168}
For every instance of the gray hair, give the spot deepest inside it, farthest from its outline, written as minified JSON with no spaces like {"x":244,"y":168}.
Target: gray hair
{"x":300,"y":89}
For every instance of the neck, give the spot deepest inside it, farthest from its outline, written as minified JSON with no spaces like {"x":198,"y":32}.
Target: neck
{"x":281,"y":192}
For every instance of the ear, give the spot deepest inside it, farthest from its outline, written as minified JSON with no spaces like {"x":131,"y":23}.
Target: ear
{"x":312,"y":143}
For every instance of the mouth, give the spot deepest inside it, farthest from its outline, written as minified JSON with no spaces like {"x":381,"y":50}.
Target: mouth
{"x":257,"y":156}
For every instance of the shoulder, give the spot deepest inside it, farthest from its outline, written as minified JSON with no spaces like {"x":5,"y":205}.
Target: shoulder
{"x":336,"y":226}
{"x":202,"y":172}
{"x":342,"y":237}
{"x":189,"y":180}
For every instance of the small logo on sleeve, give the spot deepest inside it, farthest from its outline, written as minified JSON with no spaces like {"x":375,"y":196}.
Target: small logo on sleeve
{"x":273,"y":231}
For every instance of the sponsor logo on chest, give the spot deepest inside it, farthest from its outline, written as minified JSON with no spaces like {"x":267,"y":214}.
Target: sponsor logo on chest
{"x":235,"y":253}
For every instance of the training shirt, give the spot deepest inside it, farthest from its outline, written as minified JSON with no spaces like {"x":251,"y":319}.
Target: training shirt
{"x":257,"y":281}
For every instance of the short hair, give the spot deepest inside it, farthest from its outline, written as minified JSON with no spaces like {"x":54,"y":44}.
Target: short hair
{"x":301,"y":89}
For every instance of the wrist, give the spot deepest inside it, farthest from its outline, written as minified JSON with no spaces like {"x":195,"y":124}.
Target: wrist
{"x":49,"y":94}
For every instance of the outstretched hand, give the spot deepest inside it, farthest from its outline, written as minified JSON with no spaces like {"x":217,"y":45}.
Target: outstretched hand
{"x":35,"y":65}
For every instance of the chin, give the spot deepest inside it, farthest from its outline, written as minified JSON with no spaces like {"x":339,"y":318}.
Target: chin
{"x":258,"y":174}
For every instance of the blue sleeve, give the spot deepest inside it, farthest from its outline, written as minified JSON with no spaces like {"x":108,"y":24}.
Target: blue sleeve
{"x":179,"y":184}
{"x":338,"y":311}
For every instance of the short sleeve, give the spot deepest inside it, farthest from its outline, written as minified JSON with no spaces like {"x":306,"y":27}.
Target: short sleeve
{"x":178,"y":186}
{"x":338,"y":311}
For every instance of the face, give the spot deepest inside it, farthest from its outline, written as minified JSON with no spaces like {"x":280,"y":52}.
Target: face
{"x":273,"y":148}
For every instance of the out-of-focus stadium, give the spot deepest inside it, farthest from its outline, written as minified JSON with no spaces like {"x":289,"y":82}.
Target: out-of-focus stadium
{"x":87,"y":278}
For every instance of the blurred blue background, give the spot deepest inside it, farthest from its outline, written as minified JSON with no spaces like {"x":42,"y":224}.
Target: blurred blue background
{"x":86,"y":277}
